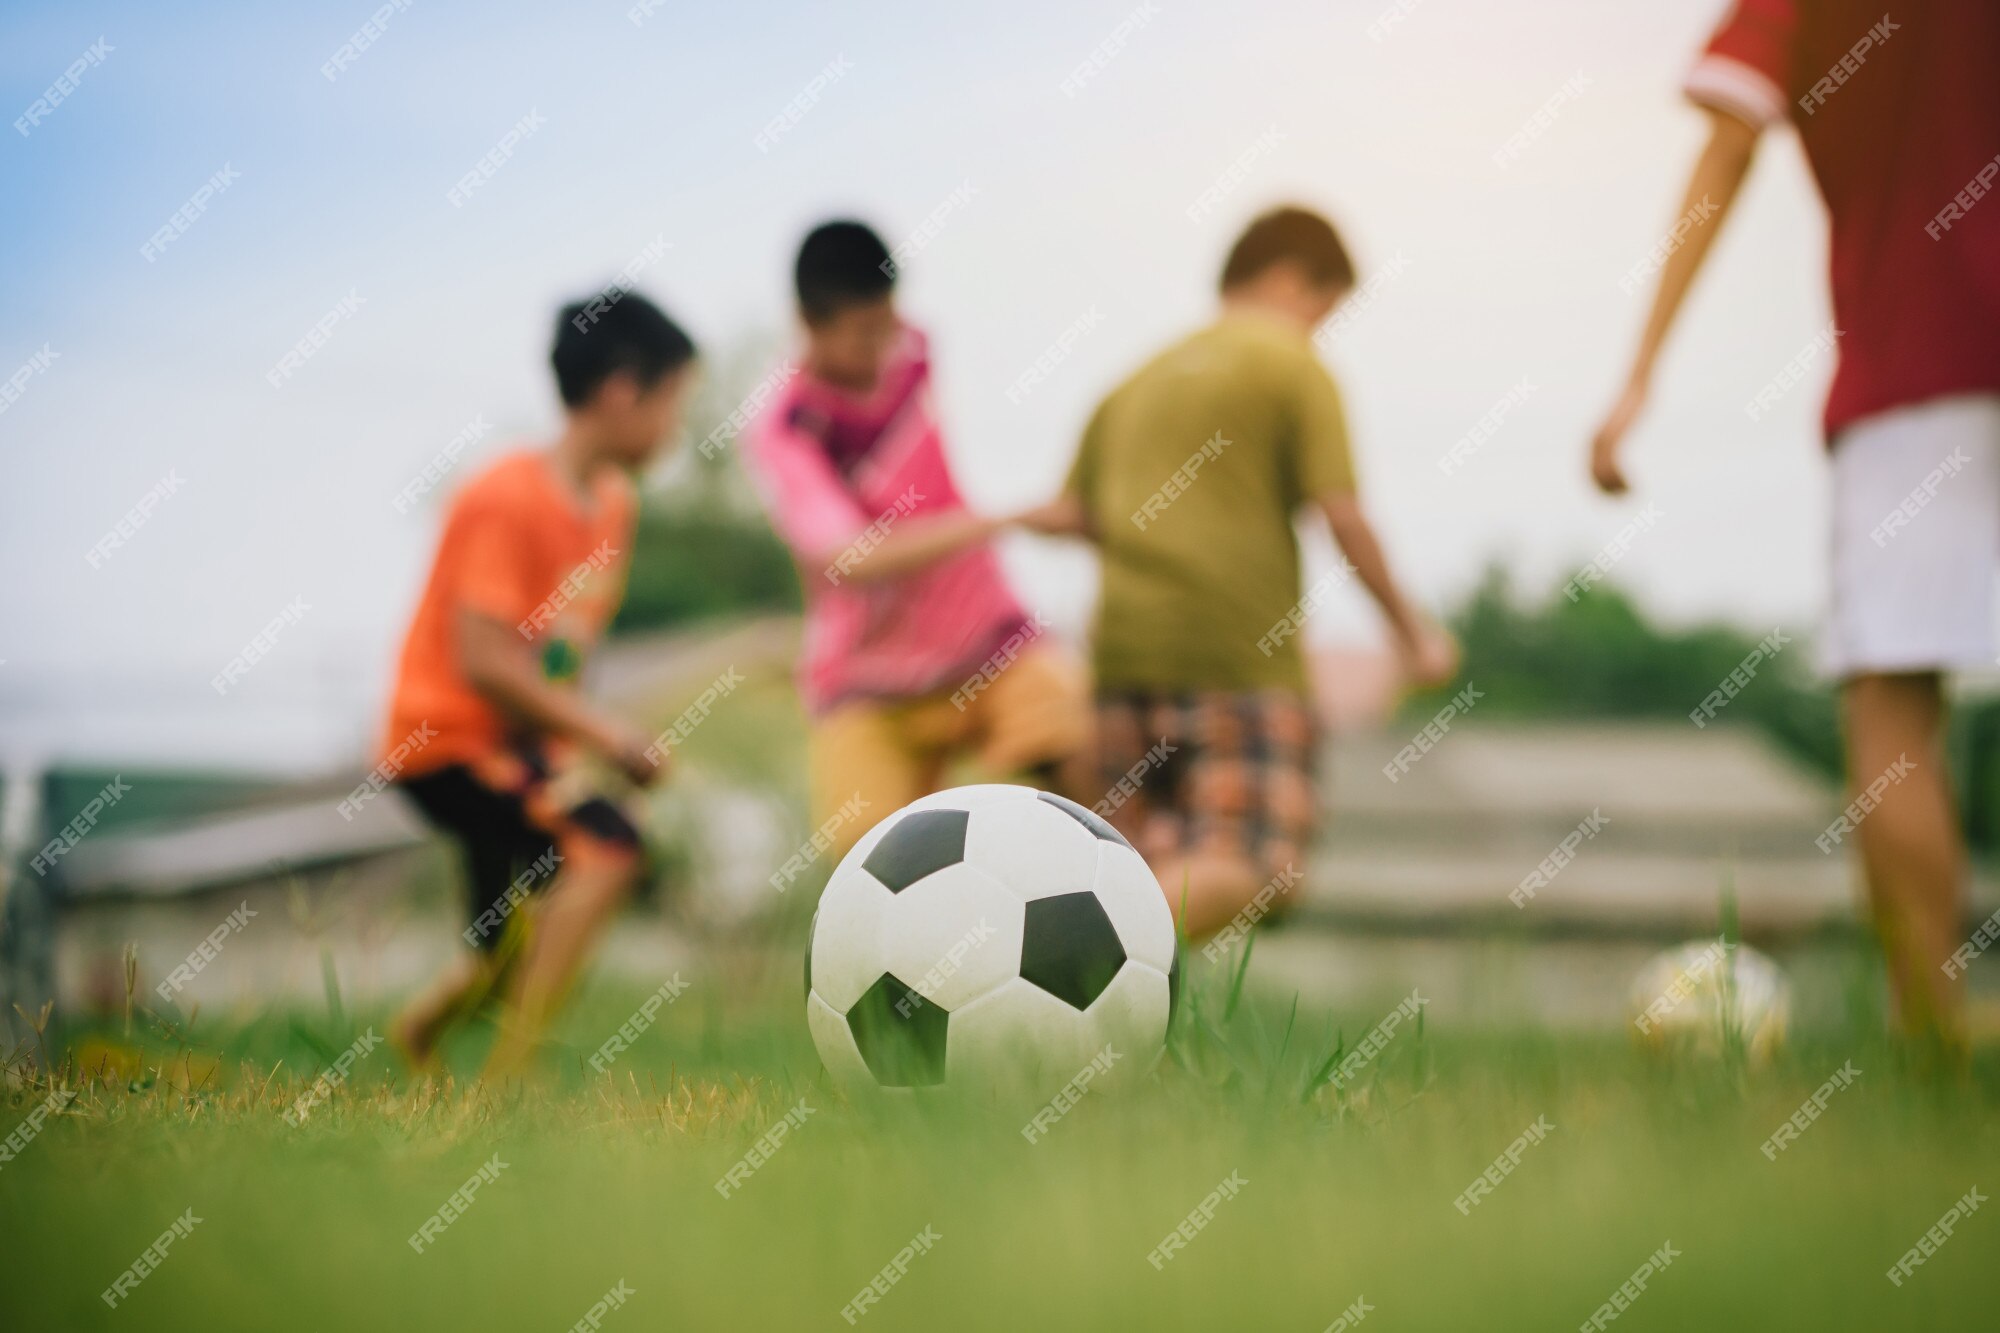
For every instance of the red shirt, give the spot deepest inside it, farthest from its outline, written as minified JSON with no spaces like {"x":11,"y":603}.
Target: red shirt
{"x":1900,"y":116}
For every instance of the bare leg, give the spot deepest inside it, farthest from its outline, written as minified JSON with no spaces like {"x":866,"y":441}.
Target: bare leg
{"x":416,"y":1031}
{"x":583,"y":899}
{"x":1911,"y":847}
{"x":1206,"y":889}
{"x":1071,"y":776}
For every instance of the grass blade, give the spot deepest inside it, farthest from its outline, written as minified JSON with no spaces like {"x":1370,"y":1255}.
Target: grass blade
{"x":1236,"y":981}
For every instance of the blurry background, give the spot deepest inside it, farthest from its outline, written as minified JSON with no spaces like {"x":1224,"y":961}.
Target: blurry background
{"x":1057,"y":166}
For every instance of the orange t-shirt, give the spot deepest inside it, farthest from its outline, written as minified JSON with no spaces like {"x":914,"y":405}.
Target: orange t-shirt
{"x":519,"y":548}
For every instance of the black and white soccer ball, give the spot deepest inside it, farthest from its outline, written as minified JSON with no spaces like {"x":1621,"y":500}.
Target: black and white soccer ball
{"x":989,"y":938}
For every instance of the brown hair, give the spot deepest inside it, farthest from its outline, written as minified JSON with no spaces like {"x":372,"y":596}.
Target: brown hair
{"x":1289,"y":233}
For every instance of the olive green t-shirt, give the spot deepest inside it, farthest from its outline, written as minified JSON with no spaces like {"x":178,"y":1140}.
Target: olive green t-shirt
{"x":1191,"y":472}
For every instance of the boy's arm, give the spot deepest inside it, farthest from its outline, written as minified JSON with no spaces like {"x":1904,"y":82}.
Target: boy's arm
{"x":502,"y":666}
{"x":818,"y":517}
{"x":1427,"y":649}
{"x":1064,"y":516}
{"x":923,"y":541}
{"x":1324,"y":466}
{"x":912,"y":544}
{"x":1718,"y":174}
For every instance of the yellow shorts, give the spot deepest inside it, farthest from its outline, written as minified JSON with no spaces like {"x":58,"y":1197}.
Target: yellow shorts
{"x":871,"y":757}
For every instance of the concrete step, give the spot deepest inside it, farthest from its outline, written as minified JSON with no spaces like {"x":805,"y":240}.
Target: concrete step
{"x":1715,"y":781}
{"x":1626,"y":828}
{"x":1602,"y":890}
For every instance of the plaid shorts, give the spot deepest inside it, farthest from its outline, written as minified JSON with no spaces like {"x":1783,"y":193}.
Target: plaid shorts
{"x":1211,"y":772}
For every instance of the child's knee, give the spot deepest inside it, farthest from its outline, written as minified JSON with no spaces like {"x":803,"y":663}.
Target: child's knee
{"x":615,"y":871}
{"x":602,"y":849}
{"x":1282,"y":865}
{"x":599,"y":875}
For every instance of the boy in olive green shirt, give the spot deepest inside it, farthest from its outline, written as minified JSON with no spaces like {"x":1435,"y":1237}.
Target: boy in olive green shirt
{"x":1188,"y":479}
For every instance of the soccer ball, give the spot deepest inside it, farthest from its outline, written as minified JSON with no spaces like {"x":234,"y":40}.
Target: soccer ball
{"x":1706,"y":995}
{"x":991,"y":938}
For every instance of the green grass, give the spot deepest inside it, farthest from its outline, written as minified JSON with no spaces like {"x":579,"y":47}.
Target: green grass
{"x":1349,"y":1193}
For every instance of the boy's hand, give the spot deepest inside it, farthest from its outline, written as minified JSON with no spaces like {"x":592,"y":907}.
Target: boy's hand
{"x":631,"y":753}
{"x":1060,"y":517}
{"x":1430,"y":655}
{"x":1604,"y":466}
{"x":638,"y":760}
{"x":640,"y":767}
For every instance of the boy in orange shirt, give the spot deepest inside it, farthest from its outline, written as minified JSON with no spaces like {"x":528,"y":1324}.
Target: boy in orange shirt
{"x":528,"y":572}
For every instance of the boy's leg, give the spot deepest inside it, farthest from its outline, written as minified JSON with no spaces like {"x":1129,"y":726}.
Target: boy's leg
{"x":595,"y":881}
{"x":1916,"y":545}
{"x":1147,"y":750}
{"x":1136,"y":752}
{"x":1214,"y":789}
{"x":1249,"y":806}
{"x":1911,"y":847}
{"x":866,"y":765}
{"x":453,"y":994}
{"x":1206,"y":889}
{"x":494,"y":839}
{"x":1033,"y":721}
{"x":601,"y":863}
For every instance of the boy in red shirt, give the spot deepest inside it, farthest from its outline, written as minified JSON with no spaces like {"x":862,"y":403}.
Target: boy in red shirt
{"x":528,"y":572}
{"x":1899,"y":114}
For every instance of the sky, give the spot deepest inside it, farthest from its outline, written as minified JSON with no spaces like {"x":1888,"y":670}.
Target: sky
{"x":1084,"y":165}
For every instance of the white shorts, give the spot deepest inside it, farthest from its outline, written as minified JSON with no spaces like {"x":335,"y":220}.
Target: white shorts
{"x":1916,"y":538}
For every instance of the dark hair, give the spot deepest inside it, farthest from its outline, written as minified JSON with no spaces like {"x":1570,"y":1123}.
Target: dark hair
{"x":1290,"y":233}
{"x":840,"y":264}
{"x":613,"y":331}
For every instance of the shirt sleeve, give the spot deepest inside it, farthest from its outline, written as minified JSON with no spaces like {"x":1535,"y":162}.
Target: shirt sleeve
{"x":1323,"y":463}
{"x":810,"y":505}
{"x":495,"y":573}
{"x":1746,"y":68}
{"x":1081,"y":484}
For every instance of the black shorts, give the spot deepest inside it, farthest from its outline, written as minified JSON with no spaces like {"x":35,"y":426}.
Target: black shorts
{"x":511,"y":836}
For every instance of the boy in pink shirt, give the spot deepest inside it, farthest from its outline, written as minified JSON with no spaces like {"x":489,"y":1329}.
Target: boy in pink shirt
{"x":917,"y":653}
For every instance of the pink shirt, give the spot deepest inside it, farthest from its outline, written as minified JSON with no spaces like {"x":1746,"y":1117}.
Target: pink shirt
{"x":837,"y":472}
{"x":1900,"y":116}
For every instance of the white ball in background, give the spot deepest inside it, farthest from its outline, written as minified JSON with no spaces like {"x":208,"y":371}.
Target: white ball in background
{"x":1706,"y":995}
